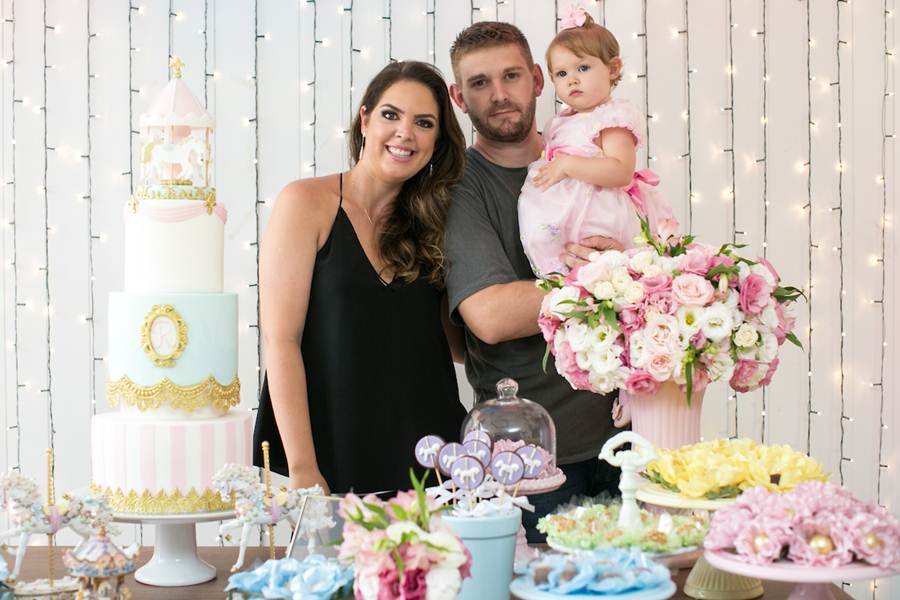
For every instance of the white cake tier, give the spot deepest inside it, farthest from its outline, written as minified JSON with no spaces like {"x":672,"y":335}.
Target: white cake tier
{"x":173,"y":245}
{"x":173,"y":356}
{"x":165,"y":466}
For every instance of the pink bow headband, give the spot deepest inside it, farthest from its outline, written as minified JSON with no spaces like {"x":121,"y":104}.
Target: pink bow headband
{"x":575,"y":17}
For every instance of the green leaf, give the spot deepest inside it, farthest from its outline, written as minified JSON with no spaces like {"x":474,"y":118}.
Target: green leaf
{"x":546,"y":356}
{"x":721,"y":269}
{"x":788,"y":294}
{"x":794,"y":340}
{"x":609,"y":313}
{"x":689,"y":377}
{"x":728,"y":491}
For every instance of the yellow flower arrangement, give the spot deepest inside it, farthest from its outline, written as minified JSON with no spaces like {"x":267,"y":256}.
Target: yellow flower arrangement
{"x":725,"y":468}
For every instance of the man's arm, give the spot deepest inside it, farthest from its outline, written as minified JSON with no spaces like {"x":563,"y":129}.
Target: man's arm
{"x":503,"y":311}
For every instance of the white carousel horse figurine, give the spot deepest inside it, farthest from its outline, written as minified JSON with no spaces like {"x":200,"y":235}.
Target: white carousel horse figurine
{"x":31,"y":516}
{"x":188,"y":154}
{"x":241,"y":483}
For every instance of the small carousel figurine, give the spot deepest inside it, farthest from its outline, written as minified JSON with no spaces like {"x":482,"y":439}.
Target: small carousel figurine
{"x":30,"y":517}
{"x":100,"y":567}
{"x":255,"y":504}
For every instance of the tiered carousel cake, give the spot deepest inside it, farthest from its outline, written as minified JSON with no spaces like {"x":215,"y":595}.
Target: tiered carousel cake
{"x":172,"y":360}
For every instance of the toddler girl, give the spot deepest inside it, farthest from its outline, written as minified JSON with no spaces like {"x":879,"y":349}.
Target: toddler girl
{"x":585,"y":182}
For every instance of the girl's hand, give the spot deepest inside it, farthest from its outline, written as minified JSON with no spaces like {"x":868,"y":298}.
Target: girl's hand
{"x":551,"y":173}
{"x":308,"y":477}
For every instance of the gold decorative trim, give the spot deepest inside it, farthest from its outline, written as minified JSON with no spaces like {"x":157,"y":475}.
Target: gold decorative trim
{"x":162,"y":502}
{"x":179,"y":397}
{"x":164,"y":311}
{"x":176,"y":182}
{"x":176,"y":192}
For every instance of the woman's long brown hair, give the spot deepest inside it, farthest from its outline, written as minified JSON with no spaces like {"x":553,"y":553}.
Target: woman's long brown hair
{"x":412,"y":237}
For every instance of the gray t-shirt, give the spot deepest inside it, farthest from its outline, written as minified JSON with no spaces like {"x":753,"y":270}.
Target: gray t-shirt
{"x":483,"y":249}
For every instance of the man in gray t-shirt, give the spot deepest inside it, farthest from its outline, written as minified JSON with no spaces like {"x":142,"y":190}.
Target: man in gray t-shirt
{"x":490,"y":283}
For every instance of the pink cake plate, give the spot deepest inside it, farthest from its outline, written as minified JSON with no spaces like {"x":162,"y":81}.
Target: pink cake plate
{"x":531,"y":487}
{"x":813,"y":583}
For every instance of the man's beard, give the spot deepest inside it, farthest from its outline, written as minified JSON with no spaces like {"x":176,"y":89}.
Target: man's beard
{"x":509,"y":133}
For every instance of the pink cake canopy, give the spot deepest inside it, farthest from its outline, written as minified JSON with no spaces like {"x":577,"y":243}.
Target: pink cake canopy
{"x":174,"y":106}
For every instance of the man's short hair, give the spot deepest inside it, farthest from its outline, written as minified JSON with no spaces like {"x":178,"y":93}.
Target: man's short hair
{"x":487,"y":34}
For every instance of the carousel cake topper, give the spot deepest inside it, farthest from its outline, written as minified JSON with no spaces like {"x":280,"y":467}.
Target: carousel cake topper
{"x":533,"y":459}
{"x":467,"y":472}
{"x":478,"y":449}
{"x":447,"y":454}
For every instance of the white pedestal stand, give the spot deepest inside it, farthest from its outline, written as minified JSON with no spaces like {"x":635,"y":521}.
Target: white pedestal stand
{"x":704,"y":581}
{"x":175,"y":561}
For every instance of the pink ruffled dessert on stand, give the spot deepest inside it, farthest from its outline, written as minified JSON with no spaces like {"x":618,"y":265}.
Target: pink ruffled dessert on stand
{"x":815,"y":525}
{"x":549,"y":478}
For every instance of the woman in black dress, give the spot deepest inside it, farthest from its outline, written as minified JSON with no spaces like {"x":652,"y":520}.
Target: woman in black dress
{"x":352,"y":303}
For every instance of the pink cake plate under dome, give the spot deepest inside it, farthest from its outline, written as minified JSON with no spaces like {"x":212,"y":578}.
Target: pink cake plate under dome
{"x":813,"y":583}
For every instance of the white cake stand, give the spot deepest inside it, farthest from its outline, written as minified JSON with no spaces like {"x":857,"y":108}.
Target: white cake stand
{"x":704,"y":580}
{"x":175,"y":561}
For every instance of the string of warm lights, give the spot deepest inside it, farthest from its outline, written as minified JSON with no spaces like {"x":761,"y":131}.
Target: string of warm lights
{"x":730,"y":193}
{"x":645,"y":55}
{"x":255,"y":243}
{"x":89,"y":196}
{"x":887,"y":95}
{"x":685,"y":32}
{"x":808,"y":207}
{"x":764,"y":36}
{"x":11,"y":224}
{"x":46,"y":266}
{"x":845,"y":418}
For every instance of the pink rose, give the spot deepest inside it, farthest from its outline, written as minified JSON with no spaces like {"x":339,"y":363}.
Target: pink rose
{"x":697,"y":260}
{"x":588,"y":274}
{"x":657,"y":283}
{"x":876,"y":538}
{"x":567,"y":366}
{"x":744,"y":377}
{"x":641,"y":382}
{"x":785,"y":323}
{"x":630,"y":319}
{"x":662,"y":334}
{"x":413,"y":586}
{"x":756,"y":294}
{"x":836,"y":528}
{"x":660,"y":366}
{"x":698,"y":340}
{"x":769,"y":266}
{"x":692,"y":290}
{"x":548,"y":326}
{"x":761,"y":540}
{"x":767,"y":378}
{"x":388,"y":584}
{"x":666,"y":228}
{"x":663,"y":302}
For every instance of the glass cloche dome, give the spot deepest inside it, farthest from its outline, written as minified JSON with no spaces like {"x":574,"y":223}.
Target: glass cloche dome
{"x":511,"y":421}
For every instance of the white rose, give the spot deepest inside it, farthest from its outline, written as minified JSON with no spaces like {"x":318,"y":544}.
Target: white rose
{"x":641,"y":260}
{"x":592,"y":273}
{"x":690,"y":318}
{"x":719,"y":365}
{"x":367,"y":586}
{"x":621,"y":279}
{"x":652,"y":271}
{"x":604,"y":290}
{"x":637,"y":349}
{"x":717,"y":322}
{"x":453,"y":550}
{"x":606,"y":382}
{"x":605,"y":360}
{"x":768,"y":316}
{"x":602,"y":336}
{"x":746,"y":336}
{"x":442,"y":583}
{"x":662,"y":333}
{"x":660,"y":366}
{"x":668,"y":263}
{"x":583,"y":360}
{"x":578,"y":335}
{"x":743,"y":271}
{"x":397,"y":530}
{"x":634,"y":293}
{"x":611,"y":258}
{"x":561,"y":301}
{"x":768,"y":350}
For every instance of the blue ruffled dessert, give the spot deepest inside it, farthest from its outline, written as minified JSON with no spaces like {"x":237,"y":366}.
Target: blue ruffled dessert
{"x":605,"y":572}
{"x":314,"y":578}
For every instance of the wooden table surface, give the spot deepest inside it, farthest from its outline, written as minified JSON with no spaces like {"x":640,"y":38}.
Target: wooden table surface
{"x":35,"y":566}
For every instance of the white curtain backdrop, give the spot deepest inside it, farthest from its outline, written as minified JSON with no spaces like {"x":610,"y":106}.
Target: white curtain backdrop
{"x":771,"y":123}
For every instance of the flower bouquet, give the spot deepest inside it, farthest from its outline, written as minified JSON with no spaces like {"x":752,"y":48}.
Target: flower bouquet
{"x":400,"y":549}
{"x":670,"y":309}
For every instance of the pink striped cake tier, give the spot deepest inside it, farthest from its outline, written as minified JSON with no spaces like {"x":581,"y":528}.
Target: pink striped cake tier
{"x":166,"y":466}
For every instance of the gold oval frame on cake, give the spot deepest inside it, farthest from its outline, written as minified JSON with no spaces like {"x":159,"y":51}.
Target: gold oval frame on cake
{"x":164,"y":311}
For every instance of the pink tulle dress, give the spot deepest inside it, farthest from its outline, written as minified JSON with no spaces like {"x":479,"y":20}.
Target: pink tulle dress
{"x":572,"y":209}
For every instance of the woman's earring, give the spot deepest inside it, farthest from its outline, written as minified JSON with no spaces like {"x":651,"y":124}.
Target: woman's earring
{"x":362,"y":146}
{"x":430,"y":168}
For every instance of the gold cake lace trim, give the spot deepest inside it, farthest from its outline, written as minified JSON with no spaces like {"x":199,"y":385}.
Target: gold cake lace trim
{"x":173,"y":192}
{"x":179,"y":397}
{"x":162,"y":502}
{"x":166,"y":311}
